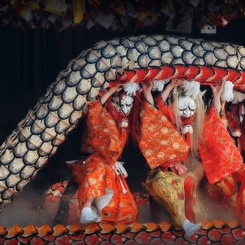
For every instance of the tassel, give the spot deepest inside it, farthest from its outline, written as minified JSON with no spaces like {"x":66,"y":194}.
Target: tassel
{"x":131,"y":88}
{"x":191,"y":88}
{"x":158,"y":85}
{"x":227,"y":92}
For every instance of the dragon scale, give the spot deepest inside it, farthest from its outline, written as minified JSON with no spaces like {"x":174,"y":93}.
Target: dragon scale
{"x":130,"y":59}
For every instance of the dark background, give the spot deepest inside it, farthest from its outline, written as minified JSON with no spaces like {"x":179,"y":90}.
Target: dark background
{"x":31,"y":60}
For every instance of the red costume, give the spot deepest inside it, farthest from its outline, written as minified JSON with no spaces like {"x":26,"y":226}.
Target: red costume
{"x":163,"y":146}
{"x":220,"y":157}
{"x":97,"y":177}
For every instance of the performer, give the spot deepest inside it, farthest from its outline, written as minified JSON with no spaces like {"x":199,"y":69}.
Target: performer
{"x":234,"y":113}
{"x":182,"y":143}
{"x":103,"y":193}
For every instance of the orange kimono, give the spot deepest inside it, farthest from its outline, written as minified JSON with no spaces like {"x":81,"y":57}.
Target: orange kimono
{"x":97,"y":177}
{"x":160,"y":143}
{"x":223,"y":165}
{"x":164,"y":147}
{"x":219,"y":154}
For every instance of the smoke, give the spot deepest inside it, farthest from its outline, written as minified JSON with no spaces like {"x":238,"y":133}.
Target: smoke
{"x":30,"y":207}
{"x":26,"y":208}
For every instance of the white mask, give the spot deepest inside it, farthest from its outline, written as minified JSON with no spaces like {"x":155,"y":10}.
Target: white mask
{"x":126,"y":103}
{"x":187,"y":106}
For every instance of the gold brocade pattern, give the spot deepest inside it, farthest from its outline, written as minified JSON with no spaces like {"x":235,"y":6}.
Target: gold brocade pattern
{"x":167,"y":189}
{"x":220,"y":157}
{"x":102,"y":134}
{"x":97,"y":175}
{"x":159,"y":141}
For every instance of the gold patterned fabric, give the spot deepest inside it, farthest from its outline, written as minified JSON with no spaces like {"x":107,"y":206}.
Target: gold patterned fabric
{"x":97,"y":175}
{"x":220,"y":157}
{"x":159,"y":141}
{"x":167,"y":189}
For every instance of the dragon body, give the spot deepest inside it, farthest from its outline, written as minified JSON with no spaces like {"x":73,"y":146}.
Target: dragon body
{"x":131,"y":59}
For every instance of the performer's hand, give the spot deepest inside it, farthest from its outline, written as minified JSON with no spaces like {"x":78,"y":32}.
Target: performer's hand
{"x":173,"y":84}
{"x":217,"y":90}
{"x":112,"y":90}
{"x":176,"y":82}
{"x":147,"y":87}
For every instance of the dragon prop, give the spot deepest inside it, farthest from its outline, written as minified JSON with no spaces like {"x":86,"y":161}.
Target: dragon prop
{"x":47,"y":125}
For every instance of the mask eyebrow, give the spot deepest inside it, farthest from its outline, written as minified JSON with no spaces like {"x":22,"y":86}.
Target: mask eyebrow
{"x":186,"y":102}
